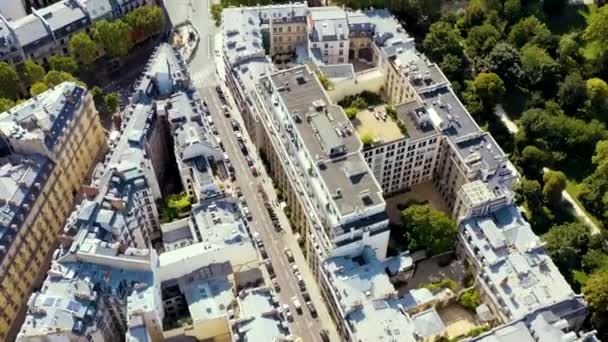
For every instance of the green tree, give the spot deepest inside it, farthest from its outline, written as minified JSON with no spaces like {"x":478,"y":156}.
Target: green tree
{"x":473,"y":16}
{"x":32,"y":72}
{"x":114,"y":37}
{"x":82,"y":48}
{"x":513,"y":10}
{"x":532,"y":161}
{"x":216,"y":13}
{"x":595,"y":259}
{"x":469,"y":299}
{"x":55,"y":77}
{"x":505,"y":61}
{"x":38,"y":88}
{"x":9,"y":81}
{"x":145,"y":21}
{"x":566,"y":244}
{"x":441,"y":40}
{"x":532,"y":193}
{"x":601,"y":153}
{"x":597,"y":28}
{"x":489,"y":87}
{"x":539,"y":67}
{"x":530,"y":30}
{"x":367,"y":139}
{"x":112,"y":101}
{"x":555,"y":182}
{"x":481,"y":40}
{"x":597,"y":90}
{"x":572,"y":92}
{"x":63,"y":63}
{"x":351,"y":112}
{"x":97,"y":94}
{"x":451,"y":66}
{"x":6,"y":104}
{"x":596,"y":292}
{"x":568,"y":46}
{"x":430,"y":229}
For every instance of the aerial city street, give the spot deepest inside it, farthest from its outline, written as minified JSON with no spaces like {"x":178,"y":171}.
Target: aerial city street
{"x":222,"y":170}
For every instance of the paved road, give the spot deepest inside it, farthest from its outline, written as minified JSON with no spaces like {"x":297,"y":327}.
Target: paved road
{"x":205,"y":78}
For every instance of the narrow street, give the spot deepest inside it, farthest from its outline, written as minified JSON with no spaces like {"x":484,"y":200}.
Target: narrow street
{"x":203,"y":69}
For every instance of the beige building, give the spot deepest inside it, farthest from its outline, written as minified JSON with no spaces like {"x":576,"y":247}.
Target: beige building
{"x":53,"y":141}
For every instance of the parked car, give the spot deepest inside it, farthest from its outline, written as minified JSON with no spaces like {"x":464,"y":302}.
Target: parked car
{"x":243,"y":148}
{"x":296,"y":304}
{"x":254,"y":171}
{"x":306,"y":296}
{"x":276,"y":286}
{"x":218,"y":89}
{"x":247,"y":213}
{"x":249,"y":161}
{"x":263,"y":252}
{"x":312,"y":309}
{"x":235,"y":125}
{"x":295,"y":269}
{"x":288,"y":254}
{"x":238,"y":135}
{"x":287,"y":313}
{"x":226,"y":111}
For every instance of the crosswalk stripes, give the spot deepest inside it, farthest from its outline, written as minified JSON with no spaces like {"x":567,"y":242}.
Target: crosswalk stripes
{"x":199,"y":78}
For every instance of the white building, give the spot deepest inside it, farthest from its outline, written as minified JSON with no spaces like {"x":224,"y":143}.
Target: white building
{"x":328,"y":34}
{"x":12,"y":9}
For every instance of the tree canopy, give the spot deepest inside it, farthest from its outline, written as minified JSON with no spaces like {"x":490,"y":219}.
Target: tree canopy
{"x":114,"y":37}
{"x":32,"y":72}
{"x":441,"y":40}
{"x":63,"y":63}
{"x":82,"y":48}
{"x":9,"y":81}
{"x":145,"y":21}
{"x":429,"y":229}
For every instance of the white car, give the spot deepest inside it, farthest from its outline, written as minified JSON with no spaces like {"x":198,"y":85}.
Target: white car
{"x":288,"y":254}
{"x":296,"y":304}
{"x":287,"y":313}
{"x":295,"y":269}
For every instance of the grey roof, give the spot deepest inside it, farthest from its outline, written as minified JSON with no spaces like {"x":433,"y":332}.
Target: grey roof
{"x":222,"y":238}
{"x":428,"y":323}
{"x":44,"y":117}
{"x":259,"y":319}
{"x":541,"y":326}
{"x":521,"y":276}
{"x":79,"y":276}
{"x":100,"y":9}
{"x":367,"y":298}
{"x":329,"y":24}
{"x":64,"y":13}
{"x":326,"y":138}
{"x":30,"y":29}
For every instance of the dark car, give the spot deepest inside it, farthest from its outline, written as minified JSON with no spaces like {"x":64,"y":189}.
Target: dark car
{"x":249,"y":161}
{"x":218,"y":89}
{"x":243,"y":148}
{"x":235,"y":125}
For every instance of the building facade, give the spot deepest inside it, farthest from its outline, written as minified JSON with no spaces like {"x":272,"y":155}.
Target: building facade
{"x":53,"y":141}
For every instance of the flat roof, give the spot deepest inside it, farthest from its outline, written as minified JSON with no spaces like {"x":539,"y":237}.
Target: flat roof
{"x":324,"y":131}
{"x":208,"y":298}
{"x":416,"y":120}
{"x":259,"y":320}
{"x":368,"y":298}
{"x":514,"y":263}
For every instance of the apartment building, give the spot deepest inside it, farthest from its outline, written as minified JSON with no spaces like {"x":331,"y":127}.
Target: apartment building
{"x":288,"y":29}
{"x":97,"y":291}
{"x":12,"y":9}
{"x":53,"y":141}
{"x":542,"y":326}
{"x":47,"y":31}
{"x":328,"y":34}
{"x":514,"y":274}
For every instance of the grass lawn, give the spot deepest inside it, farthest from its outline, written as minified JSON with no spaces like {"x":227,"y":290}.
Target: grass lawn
{"x":574,"y":189}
